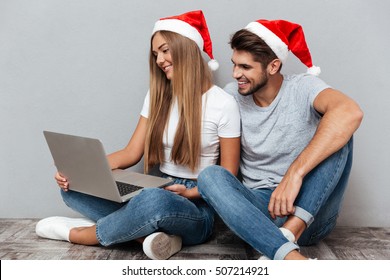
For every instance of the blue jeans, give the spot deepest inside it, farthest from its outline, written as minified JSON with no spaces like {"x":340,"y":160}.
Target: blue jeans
{"x":151,"y":210}
{"x":245,"y":211}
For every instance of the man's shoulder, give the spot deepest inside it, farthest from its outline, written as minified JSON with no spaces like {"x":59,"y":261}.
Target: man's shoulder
{"x":231,"y":88}
{"x":304,"y":83}
{"x":302,"y":78}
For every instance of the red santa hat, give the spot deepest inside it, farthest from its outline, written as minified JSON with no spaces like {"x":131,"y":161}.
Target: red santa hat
{"x":193,"y":26}
{"x":282,"y":36}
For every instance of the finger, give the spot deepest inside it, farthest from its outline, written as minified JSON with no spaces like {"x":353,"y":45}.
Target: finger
{"x":283,"y":208}
{"x":63,"y":185}
{"x":277,"y":208}
{"x":291,"y":209}
{"x":289,"y":206}
{"x":174,"y":190}
{"x":271,"y":208}
{"x":59,"y":178}
{"x":171,"y":188}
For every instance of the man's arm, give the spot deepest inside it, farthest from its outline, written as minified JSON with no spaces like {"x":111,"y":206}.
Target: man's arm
{"x":341,"y":118}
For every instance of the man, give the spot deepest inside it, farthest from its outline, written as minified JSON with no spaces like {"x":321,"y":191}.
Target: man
{"x":296,"y":146}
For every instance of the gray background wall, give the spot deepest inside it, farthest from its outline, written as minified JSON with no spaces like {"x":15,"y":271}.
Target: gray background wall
{"x":81,"y":67}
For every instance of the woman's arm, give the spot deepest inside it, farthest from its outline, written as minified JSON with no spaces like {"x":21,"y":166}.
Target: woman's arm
{"x":230,"y":154}
{"x":230,"y":160}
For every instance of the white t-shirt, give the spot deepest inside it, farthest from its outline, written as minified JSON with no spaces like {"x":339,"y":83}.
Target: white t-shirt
{"x":221,"y":118}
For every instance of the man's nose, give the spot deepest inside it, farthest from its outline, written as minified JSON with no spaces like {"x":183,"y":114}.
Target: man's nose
{"x":236,"y":72}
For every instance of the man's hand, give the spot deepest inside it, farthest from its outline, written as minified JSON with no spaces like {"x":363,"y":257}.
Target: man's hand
{"x":282,"y":199}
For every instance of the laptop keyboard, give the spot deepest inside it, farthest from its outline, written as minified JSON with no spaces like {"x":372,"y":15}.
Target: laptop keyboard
{"x":125,"y":188}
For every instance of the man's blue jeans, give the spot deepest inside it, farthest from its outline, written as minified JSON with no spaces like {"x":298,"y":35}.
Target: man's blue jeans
{"x":245,"y":211}
{"x":152,"y":210}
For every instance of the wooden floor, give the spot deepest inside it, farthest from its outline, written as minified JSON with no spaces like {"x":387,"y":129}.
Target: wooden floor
{"x":18,"y":241}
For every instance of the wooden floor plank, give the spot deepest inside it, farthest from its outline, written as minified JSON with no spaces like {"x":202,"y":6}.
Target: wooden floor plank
{"x":18,"y":241}
{"x":321,"y":252}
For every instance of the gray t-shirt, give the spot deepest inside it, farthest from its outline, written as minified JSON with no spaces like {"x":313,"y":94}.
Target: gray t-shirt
{"x":273,"y":136}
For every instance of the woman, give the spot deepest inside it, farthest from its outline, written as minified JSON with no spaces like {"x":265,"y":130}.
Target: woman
{"x":186,"y":124}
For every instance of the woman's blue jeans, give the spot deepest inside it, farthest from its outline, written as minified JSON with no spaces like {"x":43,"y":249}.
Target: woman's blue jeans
{"x":245,"y":211}
{"x":150,"y":211}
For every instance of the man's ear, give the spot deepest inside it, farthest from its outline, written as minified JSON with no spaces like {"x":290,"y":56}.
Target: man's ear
{"x":274,"y":66}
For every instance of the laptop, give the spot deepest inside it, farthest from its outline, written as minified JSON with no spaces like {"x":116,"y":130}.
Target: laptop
{"x":84,"y":163}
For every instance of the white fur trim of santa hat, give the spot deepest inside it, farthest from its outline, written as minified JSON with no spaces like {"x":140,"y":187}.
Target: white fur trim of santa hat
{"x":273,"y":41}
{"x":181,"y":27}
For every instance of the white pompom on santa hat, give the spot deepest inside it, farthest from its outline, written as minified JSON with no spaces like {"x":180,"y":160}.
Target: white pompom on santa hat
{"x":193,"y":26}
{"x":282,"y":36}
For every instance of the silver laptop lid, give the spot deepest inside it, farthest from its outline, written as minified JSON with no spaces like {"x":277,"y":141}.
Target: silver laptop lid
{"x":83,"y":161}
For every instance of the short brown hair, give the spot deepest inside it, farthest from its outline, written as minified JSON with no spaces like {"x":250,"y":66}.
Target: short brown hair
{"x":244,"y":40}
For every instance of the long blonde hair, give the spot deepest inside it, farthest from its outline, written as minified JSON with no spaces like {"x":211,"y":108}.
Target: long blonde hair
{"x":191,"y":78}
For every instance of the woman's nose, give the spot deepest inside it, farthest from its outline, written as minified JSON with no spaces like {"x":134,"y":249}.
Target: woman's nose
{"x":160,"y":59}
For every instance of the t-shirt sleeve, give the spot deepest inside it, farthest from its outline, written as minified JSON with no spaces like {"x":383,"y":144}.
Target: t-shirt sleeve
{"x":145,"y":107}
{"x":230,"y":122}
{"x":315,"y":86}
